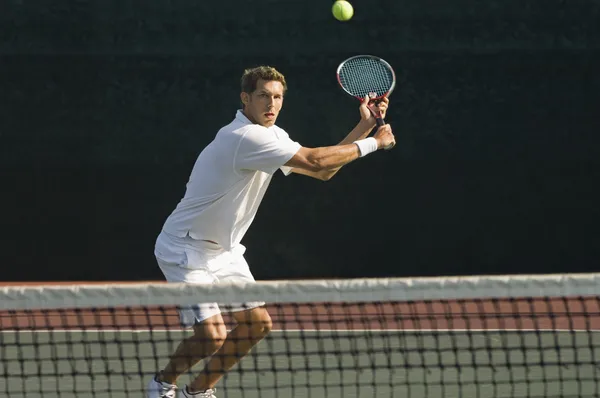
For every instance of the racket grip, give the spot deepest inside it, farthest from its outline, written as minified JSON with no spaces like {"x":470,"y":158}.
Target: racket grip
{"x":380,"y":122}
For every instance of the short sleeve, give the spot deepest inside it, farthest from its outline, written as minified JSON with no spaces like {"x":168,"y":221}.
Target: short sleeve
{"x":265,"y":149}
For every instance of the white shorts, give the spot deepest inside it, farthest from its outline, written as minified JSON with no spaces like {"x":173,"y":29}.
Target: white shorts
{"x":198,"y":261}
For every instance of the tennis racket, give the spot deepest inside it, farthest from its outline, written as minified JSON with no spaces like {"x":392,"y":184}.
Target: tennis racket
{"x":367,"y":75}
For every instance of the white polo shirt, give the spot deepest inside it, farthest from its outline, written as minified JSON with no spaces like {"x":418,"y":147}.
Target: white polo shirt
{"x":229,"y":180}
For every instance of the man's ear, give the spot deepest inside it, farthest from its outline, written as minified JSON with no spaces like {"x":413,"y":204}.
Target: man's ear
{"x":245,"y":97}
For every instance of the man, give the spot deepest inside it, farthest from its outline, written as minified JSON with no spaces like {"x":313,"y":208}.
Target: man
{"x":200,"y":240}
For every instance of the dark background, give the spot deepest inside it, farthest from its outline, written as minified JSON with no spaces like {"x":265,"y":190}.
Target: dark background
{"x":105,"y":104}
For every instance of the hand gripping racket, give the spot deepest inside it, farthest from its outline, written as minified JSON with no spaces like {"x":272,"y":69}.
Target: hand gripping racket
{"x":363,"y":75}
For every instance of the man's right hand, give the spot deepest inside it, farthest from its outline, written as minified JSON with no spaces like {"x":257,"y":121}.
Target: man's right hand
{"x":385,"y":138}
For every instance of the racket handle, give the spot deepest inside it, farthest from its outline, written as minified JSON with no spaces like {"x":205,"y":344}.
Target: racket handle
{"x":380,"y":122}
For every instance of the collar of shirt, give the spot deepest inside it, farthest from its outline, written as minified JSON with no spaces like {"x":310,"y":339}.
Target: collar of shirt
{"x":239,"y":115}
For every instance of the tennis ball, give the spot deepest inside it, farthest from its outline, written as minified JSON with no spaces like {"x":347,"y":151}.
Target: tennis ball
{"x":342,"y":10}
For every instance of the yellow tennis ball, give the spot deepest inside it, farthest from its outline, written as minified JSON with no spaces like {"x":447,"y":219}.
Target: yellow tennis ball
{"x":342,"y":10}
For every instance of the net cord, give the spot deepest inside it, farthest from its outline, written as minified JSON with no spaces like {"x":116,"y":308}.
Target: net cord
{"x":108,"y":295}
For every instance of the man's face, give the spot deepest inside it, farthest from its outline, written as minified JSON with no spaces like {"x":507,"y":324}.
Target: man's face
{"x":263,"y":105}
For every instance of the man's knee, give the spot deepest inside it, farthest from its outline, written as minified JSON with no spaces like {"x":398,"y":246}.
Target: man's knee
{"x":263,"y":326}
{"x":211,"y":333}
{"x":257,"y":320}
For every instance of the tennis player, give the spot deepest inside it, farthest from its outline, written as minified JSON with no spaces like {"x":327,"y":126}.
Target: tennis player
{"x":200,"y":240}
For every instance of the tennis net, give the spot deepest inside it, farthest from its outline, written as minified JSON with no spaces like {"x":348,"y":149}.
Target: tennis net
{"x":488,"y":336}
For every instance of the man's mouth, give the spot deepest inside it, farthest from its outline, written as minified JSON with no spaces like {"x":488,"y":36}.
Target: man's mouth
{"x":269,"y":114}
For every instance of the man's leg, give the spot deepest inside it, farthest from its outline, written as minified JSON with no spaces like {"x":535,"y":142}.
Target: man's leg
{"x":209,"y":335}
{"x":209,"y":330}
{"x":252,"y":326}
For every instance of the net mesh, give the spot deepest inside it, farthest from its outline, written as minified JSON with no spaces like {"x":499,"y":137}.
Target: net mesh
{"x":361,"y":76}
{"x":515,"y":336}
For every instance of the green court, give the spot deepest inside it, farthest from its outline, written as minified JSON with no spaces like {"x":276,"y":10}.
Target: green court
{"x":309,"y":363}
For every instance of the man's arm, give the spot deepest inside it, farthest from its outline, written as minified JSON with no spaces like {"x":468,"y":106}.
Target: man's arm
{"x":361,"y":131}
{"x":325,"y":161}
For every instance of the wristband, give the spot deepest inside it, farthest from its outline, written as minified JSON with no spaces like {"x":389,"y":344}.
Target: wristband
{"x":366,"y":146}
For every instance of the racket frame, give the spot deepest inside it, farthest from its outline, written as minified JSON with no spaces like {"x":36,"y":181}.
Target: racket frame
{"x":382,"y":61}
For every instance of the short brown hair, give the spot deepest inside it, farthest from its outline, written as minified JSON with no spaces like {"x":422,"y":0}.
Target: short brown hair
{"x":267,"y":73}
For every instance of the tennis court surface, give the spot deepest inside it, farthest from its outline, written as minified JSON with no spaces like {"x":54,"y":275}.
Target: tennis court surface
{"x":513,"y":336}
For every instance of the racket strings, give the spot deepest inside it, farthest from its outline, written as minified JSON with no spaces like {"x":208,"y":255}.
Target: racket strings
{"x":366,"y":76}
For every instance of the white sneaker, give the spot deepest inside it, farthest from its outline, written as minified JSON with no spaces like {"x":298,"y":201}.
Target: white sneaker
{"x":183,"y":393}
{"x":158,"y":389}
